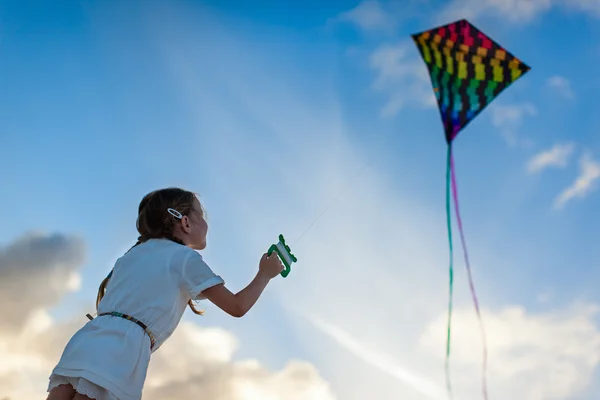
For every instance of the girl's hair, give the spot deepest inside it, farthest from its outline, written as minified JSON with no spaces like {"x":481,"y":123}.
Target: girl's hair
{"x":154,"y":222}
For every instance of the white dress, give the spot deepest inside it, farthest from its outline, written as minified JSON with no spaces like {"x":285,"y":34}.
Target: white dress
{"x":107,"y":359}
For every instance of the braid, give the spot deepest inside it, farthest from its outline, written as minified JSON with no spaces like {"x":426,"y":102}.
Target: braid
{"x":104,"y":283}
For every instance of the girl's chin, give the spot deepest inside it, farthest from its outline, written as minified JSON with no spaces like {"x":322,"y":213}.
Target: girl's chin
{"x":200,"y":246}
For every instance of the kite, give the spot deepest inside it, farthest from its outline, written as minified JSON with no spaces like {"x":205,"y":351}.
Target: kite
{"x":468,"y":70}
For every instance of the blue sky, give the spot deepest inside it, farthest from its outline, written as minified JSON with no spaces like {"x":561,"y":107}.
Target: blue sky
{"x":269,"y":111}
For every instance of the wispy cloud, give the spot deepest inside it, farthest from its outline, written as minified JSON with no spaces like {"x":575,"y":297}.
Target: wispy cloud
{"x":370,"y":15}
{"x":399,"y":73}
{"x":561,"y":85}
{"x":589,"y":6}
{"x":512,"y":10}
{"x":380,"y":360}
{"x":516,"y":11}
{"x":509,"y":118}
{"x":558,"y":156}
{"x":584,"y":184}
{"x":402,"y":76}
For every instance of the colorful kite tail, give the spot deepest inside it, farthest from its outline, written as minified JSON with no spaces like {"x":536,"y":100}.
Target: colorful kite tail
{"x":451,"y":269}
{"x":471,"y":285}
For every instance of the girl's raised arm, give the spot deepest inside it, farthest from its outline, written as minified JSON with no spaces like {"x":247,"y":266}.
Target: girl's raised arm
{"x":237,"y":305}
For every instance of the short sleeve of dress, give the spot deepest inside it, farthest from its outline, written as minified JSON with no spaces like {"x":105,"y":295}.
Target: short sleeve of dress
{"x":198,"y":276}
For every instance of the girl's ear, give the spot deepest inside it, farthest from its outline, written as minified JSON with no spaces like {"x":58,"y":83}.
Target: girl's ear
{"x":185,"y":224}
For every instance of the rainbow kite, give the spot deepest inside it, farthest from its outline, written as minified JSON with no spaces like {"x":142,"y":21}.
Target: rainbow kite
{"x":468,"y":71}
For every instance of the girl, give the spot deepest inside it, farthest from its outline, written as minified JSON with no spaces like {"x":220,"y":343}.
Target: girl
{"x":141,"y":302}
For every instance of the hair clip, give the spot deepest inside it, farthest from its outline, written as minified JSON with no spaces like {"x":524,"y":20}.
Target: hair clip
{"x":174,"y":213}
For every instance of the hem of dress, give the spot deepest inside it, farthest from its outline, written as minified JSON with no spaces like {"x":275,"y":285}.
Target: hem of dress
{"x":95,"y":379}
{"x":81,"y":386}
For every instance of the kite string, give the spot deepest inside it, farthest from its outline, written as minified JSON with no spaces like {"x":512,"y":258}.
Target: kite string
{"x":332,"y":202}
{"x":468,"y":266}
{"x":370,"y":160}
{"x":451,"y":269}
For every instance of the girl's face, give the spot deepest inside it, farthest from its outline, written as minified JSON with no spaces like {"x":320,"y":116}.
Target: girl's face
{"x":195,"y":227}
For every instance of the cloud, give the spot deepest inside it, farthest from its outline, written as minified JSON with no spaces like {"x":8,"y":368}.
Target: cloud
{"x":562,"y":86}
{"x":509,"y":118}
{"x":589,"y":173}
{"x":47,"y":264}
{"x":200,"y":361}
{"x":399,"y":72}
{"x":589,"y":6}
{"x":369,"y":15}
{"x":557,"y":156}
{"x":516,"y":11}
{"x":402,"y":76}
{"x":512,"y":10}
{"x":380,"y":360}
{"x":542,"y":356}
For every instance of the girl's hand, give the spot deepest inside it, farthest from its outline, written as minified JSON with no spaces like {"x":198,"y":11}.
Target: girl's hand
{"x":270,"y":266}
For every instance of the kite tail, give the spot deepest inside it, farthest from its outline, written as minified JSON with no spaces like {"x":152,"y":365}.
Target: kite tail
{"x":471,"y":285}
{"x":448,"y":217}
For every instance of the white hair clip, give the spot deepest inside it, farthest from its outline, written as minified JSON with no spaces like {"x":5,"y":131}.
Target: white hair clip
{"x":174,"y":213}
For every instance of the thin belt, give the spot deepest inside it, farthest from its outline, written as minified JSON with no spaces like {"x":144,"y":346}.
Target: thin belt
{"x":130,"y":318}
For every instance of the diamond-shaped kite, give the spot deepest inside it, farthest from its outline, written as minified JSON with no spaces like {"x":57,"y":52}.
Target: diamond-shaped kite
{"x":468,"y":70}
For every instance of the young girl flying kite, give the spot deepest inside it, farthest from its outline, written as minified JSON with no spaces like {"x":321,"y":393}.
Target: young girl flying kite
{"x":142,"y":300}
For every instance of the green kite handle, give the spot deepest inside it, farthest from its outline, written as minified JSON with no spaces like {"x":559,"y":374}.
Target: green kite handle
{"x":286,"y":268}
{"x":285,"y":255}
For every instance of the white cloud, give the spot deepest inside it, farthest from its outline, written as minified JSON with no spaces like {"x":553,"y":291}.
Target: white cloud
{"x":402,"y":76}
{"x":512,"y":10}
{"x":589,"y":173}
{"x":557,"y":156}
{"x":508,"y":118}
{"x":199,"y":362}
{"x":517,"y":11}
{"x":370,"y":16}
{"x":590,"y":6}
{"x":550,"y":355}
{"x":562,"y":86}
{"x":400,"y":73}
